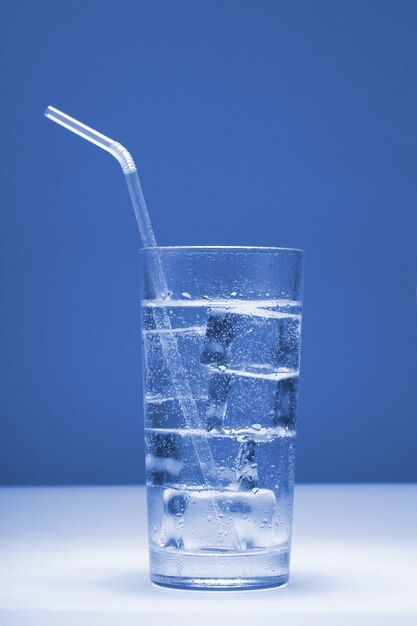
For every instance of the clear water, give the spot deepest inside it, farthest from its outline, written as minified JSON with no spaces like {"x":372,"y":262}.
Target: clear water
{"x":241,"y":361}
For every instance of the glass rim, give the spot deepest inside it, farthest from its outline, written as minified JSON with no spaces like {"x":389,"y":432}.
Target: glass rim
{"x":224,"y":248}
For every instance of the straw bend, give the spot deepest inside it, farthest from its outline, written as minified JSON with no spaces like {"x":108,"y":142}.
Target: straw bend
{"x":124,"y":157}
{"x":114,"y":147}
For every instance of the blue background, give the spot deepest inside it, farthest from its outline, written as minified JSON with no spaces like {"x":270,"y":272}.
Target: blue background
{"x":252,"y":122}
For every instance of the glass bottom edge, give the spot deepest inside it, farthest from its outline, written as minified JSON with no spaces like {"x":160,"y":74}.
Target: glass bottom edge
{"x":219,"y":584}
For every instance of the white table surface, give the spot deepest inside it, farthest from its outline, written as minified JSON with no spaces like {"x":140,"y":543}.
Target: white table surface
{"x":78,"y":556}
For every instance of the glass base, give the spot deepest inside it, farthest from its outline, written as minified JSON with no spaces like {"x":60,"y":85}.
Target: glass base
{"x":219,"y":584}
{"x":219,"y":571}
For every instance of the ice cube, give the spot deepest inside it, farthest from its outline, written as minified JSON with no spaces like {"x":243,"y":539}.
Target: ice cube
{"x":157,"y":375}
{"x":163,"y":458}
{"x":167,"y":412}
{"x":264,"y":340}
{"x":247,"y":469}
{"x":289,"y":342}
{"x":251,"y":399}
{"x":285,"y":407}
{"x":189,"y":521}
{"x":218,"y":390}
{"x":190,"y":342}
{"x":220,"y":331}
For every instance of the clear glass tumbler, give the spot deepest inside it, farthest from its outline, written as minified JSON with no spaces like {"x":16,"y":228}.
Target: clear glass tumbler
{"x":221,"y":357}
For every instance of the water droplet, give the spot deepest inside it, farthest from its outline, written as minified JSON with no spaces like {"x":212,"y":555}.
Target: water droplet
{"x":185,"y":294}
{"x":234,"y":293}
{"x":256,"y":426}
